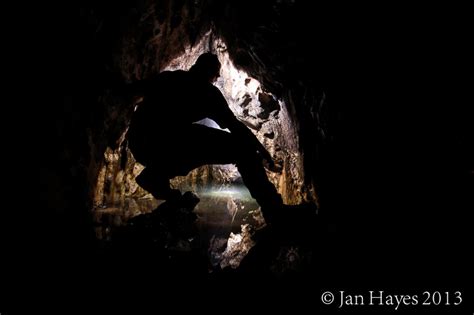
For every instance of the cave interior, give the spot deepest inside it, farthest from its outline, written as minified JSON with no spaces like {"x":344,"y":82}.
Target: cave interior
{"x":365,"y":110}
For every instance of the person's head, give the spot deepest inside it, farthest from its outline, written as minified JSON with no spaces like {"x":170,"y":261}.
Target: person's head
{"x":207,"y":66}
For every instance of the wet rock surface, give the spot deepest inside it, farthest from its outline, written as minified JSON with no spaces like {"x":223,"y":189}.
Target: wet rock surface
{"x":219,"y":234}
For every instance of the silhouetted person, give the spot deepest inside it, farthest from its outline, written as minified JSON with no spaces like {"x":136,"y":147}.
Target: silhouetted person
{"x":164,"y":138}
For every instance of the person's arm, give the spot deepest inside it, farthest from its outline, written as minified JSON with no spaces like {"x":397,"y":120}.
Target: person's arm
{"x":227,"y":119}
{"x":237,"y":127}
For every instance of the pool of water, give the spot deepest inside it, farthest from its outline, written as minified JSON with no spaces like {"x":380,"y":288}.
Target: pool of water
{"x":222,"y":210}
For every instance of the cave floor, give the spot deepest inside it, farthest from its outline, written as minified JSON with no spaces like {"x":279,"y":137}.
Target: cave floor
{"x":220,"y":211}
{"x":221,"y":237}
{"x":222,"y":240}
{"x":223,"y":210}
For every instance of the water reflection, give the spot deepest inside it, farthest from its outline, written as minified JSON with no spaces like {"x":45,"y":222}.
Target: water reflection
{"x":223,"y":214}
{"x":221,"y":210}
{"x":216,"y":233}
{"x":107,"y":217}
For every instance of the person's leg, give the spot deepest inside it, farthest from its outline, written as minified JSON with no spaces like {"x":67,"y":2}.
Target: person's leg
{"x":255,"y":178}
{"x":206,"y":145}
{"x":157,"y":182}
{"x":155,"y":176}
{"x":198,"y":145}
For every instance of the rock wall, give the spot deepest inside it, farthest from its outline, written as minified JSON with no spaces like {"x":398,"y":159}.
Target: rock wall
{"x":281,"y":98}
{"x":265,"y":115}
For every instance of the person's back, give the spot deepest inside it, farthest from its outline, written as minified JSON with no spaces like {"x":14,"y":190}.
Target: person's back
{"x":169,"y":102}
{"x":175,"y":99}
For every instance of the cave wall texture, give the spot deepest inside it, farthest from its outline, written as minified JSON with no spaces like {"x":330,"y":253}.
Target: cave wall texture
{"x":377,"y":101}
{"x":148,"y":38}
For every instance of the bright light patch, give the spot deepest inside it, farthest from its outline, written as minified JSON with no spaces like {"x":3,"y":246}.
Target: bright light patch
{"x":239,"y":89}
{"x":210,"y":123}
{"x":236,"y":191}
